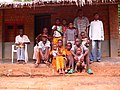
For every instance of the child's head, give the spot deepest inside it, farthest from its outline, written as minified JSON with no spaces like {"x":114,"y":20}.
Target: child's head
{"x":44,"y":37}
{"x":54,"y":47}
{"x":83,"y":35}
{"x":60,"y":42}
{"x":45,"y":30}
{"x":69,"y":46}
{"x":77,"y":42}
{"x":64,"y":22}
{"x":78,"y":51}
{"x":58,"y":21}
{"x":70,"y":25}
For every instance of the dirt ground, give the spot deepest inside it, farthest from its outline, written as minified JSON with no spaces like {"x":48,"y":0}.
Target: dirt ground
{"x":25,"y":77}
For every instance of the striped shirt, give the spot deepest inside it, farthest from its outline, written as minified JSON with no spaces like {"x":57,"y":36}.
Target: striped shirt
{"x":81,"y":24}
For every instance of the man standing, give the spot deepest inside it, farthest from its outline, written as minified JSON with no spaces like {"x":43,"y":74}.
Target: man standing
{"x":96,"y":34}
{"x":20,"y":42}
{"x":81,"y":22}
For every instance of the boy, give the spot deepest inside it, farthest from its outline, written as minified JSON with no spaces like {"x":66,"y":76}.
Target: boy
{"x":85,"y":52}
{"x":79,"y":60}
{"x":57,"y":31}
{"x":36,"y":54}
{"x":70,"y":58}
{"x":20,"y":42}
{"x":44,"y":47}
{"x":70,"y":34}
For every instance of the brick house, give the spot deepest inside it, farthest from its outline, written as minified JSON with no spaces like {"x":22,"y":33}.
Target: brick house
{"x":33,"y":19}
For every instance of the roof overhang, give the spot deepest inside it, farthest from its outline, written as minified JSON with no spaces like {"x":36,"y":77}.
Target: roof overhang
{"x":39,"y":3}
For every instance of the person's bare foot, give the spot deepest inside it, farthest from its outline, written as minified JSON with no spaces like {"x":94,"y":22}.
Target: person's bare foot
{"x":60,"y":72}
{"x":18,"y":62}
{"x":36,"y":65}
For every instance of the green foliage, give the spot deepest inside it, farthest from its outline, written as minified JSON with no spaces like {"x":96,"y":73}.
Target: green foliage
{"x":119,"y":9}
{"x":119,"y":13}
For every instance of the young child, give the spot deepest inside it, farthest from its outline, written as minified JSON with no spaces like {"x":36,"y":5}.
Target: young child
{"x":70,"y":34}
{"x":84,"y":39}
{"x":53,"y":55}
{"x":60,"y":57}
{"x":79,"y":60}
{"x":70,"y":58}
{"x":57,"y":31}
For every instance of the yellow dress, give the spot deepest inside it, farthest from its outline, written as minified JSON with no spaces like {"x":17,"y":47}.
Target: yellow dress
{"x":60,"y":59}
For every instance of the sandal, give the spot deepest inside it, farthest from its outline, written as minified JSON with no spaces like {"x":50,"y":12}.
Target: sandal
{"x":71,"y":71}
{"x":89,"y":71}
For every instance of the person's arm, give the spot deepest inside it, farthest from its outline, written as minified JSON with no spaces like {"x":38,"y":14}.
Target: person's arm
{"x":26,"y":40}
{"x":86,"y":50}
{"x":37,"y":38}
{"x":17,"y":41}
{"x":102,"y":31}
{"x":75,"y":23}
{"x":75,"y":33}
{"x":73,"y":53}
{"x":41,"y":54}
{"x":65,"y":36}
{"x":87,"y":25}
{"x":54,"y":27}
{"x":90,"y":32}
{"x":47,"y":52}
{"x":47,"y":49}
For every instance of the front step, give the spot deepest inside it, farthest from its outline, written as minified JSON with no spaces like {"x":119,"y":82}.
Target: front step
{"x":102,"y":68}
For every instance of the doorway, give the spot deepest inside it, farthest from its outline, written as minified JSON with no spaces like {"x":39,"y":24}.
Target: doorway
{"x":42,"y":21}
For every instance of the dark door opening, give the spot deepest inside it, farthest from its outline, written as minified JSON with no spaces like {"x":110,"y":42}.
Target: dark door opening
{"x":42,"y":21}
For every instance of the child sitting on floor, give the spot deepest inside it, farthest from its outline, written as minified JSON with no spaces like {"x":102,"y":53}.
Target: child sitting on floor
{"x":70,"y":59}
{"x":79,"y":58}
{"x":53,"y":55}
{"x":60,"y":57}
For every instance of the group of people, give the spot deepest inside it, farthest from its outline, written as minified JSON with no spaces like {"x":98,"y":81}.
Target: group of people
{"x":71,"y":48}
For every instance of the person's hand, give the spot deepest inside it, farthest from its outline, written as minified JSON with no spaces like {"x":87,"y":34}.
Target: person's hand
{"x":43,"y":57}
{"x":59,"y":54}
{"x":82,"y":58}
{"x":22,"y":44}
{"x":76,"y":58}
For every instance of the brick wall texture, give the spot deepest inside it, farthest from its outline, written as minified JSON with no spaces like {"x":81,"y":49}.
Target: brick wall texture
{"x":108,"y":14}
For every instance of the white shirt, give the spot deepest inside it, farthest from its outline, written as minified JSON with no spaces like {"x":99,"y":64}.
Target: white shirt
{"x":96,"y":31}
{"x":54,"y":53}
{"x":57,"y":31}
{"x":44,"y":46}
{"x":19,"y":39}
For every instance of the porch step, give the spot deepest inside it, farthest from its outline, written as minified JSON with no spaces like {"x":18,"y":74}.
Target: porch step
{"x":102,"y":68}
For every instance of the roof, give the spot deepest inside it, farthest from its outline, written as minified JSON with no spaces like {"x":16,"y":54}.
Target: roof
{"x":34,"y":3}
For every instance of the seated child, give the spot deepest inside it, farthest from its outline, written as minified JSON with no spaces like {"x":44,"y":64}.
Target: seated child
{"x":70,"y":58}
{"x":44,"y":47}
{"x":53,"y":55}
{"x":60,"y":57}
{"x":79,"y":60}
